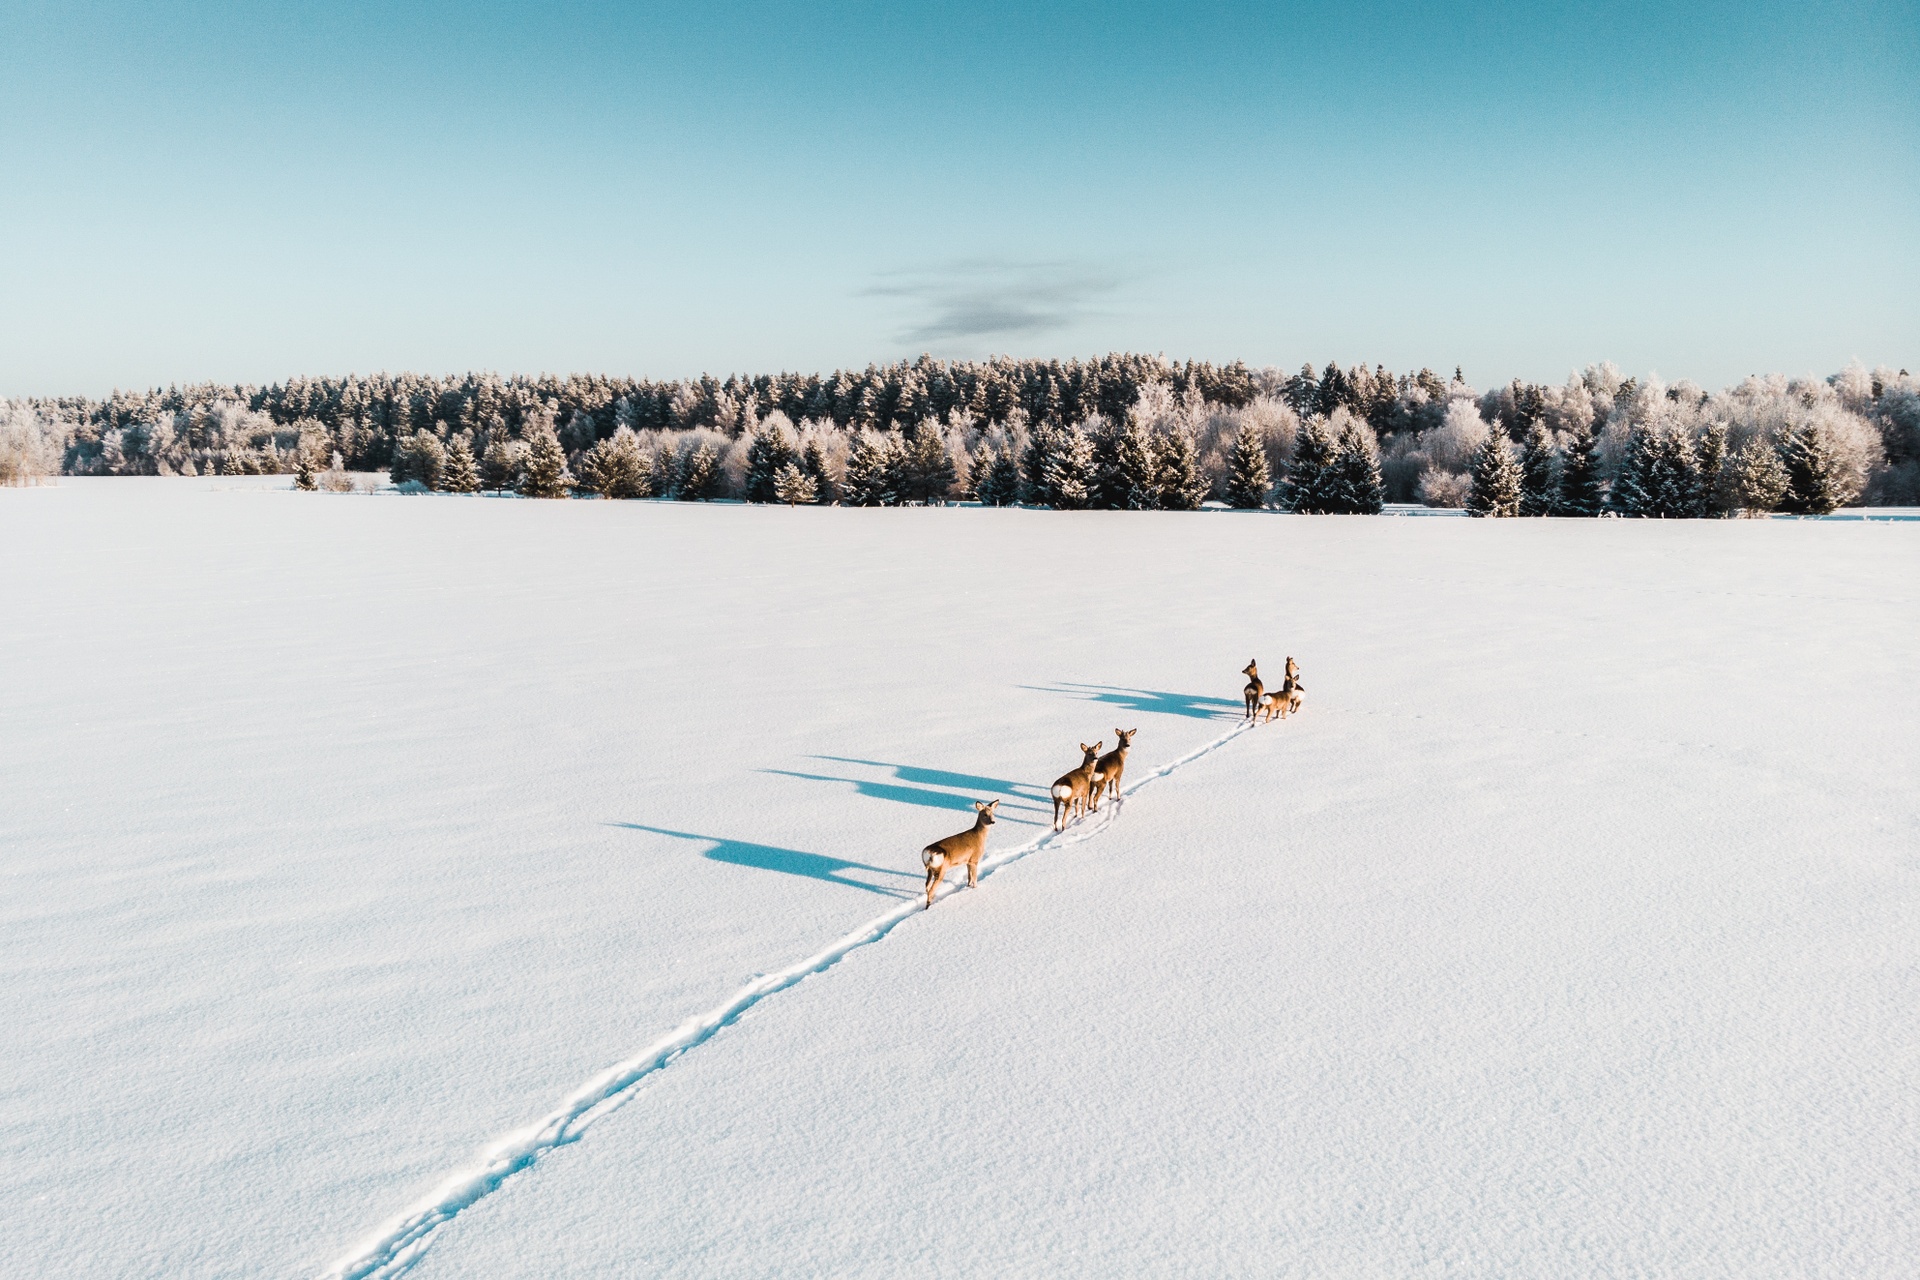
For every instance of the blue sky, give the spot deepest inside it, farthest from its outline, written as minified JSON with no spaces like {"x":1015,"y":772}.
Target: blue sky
{"x":244,"y":192}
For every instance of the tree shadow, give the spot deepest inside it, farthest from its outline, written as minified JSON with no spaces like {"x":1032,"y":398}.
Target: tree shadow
{"x":1156,"y":701}
{"x":969,"y":787}
{"x":793,"y":862}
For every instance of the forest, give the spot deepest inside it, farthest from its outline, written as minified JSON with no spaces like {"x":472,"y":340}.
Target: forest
{"x":1120,"y":431}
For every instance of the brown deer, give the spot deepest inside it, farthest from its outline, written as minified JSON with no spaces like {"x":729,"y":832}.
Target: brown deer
{"x":1070,"y":792}
{"x":1281,"y":701}
{"x":1293,"y":670}
{"x":1107,"y":771}
{"x":1254,"y":688}
{"x":965,"y":847}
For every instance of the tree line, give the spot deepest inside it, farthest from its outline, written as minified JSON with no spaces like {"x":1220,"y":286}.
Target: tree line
{"x":1120,"y":431}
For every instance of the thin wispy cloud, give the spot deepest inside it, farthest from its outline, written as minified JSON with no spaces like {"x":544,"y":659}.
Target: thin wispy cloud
{"x":978,"y":299}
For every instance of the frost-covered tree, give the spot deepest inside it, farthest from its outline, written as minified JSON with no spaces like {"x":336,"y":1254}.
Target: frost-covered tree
{"x":1312,"y":483}
{"x":1814,"y":482}
{"x":1659,"y":476}
{"x":1717,"y":489}
{"x":770,"y":450}
{"x":1760,"y":480}
{"x":422,"y":459}
{"x":794,"y":486}
{"x":616,"y":468}
{"x":1249,"y":483}
{"x":1496,"y":479}
{"x":500,"y":469}
{"x":1579,"y":492}
{"x":461,"y":476}
{"x":544,"y":473}
{"x":872,"y":474}
{"x":996,"y":476}
{"x":926,"y":468}
{"x":1178,"y":483}
{"x":1137,"y":466}
{"x":1069,"y":469}
{"x":1356,"y":469}
{"x":303,"y":475}
{"x":1536,"y":471}
{"x":813,"y":461}
{"x":701,"y":476}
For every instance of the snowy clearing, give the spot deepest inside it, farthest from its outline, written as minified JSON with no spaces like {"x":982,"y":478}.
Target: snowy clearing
{"x":1567,"y":930}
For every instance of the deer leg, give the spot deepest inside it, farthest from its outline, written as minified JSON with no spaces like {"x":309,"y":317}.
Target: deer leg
{"x":973,"y":873}
{"x":935,"y":875}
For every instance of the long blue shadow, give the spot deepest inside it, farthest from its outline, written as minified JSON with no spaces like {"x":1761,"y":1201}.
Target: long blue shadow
{"x":924,"y":796}
{"x":792,"y":862}
{"x":972,"y":782}
{"x":1157,"y":701}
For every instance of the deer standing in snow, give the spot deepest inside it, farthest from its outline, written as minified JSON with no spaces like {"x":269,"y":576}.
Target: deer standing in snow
{"x":1282,"y":701}
{"x":1070,"y":792}
{"x":1107,"y":770}
{"x":1254,"y":688}
{"x":965,"y":847}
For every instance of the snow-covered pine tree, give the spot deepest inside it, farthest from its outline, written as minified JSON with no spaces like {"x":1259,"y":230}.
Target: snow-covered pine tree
{"x":926,"y":468}
{"x":1036,"y":465}
{"x":1070,"y":469}
{"x":1813,"y":471}
{"x":460,"y":475}
{"x":1760,"y":479}
{"x":1679,"y":476}
{"x":1536,"y":471}
{"x":869,"y":478}
{"x":700,"y":473}
{"x":1312,"y":485}
{"x":1248,"y":482}
{"x":500,"y":469}
{"x":794,"y":486}
{"x":1109,"y":489}
{"x":1579,"y":492}
{"x":770,"y":450}
{"x":428,"y":459}
{"x":1177,"y":480}
{"x":544,"y":473}
{"x":303,"y":473}
{"x":1137,"y":467}
{"x":1496,"y":478}
{"x":999,"y":484}
{"x":1717,"y":494}
{"x":615,"y":468}
{"x":813,"y":461}
{"x":1636,"y":487}
{"x":1356,"y":468}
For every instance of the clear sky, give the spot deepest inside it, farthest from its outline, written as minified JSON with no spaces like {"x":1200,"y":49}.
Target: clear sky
{"x":247,"y":191}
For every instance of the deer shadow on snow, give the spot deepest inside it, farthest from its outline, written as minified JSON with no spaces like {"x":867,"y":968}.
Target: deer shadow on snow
{"x":793,"y":862}
{"x":1154,"y":701}
{"x":930,"y":788}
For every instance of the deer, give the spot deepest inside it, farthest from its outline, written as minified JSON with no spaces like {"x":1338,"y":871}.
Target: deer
{"x":1254,"y":688}
{"x":1293,"y":670}
{"x":1070,"y":792}
{"x":1283,"y":700}
{"x":1107,"y":771}
{"x":966,"y":846}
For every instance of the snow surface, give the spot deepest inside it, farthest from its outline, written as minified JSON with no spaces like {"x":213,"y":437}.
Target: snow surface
{"x":1569,"y":929}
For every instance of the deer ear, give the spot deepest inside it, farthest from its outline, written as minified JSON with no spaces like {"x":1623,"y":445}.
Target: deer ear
{"x":980,"y":808}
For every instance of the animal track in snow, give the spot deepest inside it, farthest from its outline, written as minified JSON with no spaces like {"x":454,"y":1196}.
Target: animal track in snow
{"x":401,"y":1243}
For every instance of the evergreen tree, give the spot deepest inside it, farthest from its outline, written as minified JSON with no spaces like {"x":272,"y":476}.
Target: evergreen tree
{"x":1636,"y":488}
{"x":1761,"y":481}
{"x":303,"y":473}
{"x":1036,"y":468}
{"x":813,"y":461}
{"x":1356,"y":470}
{"x":422,"y":459}
{"x":1137,"y":467}
{"x":1813,"y":471}
{"x":1177,"y":480}
{"x":1248,"y":481}
{"x":996,"y":478}
{"x":700,"y":475}
{"x":500,"y":470}
{"x":1312,"y":483}
{"x":1536,"y":471}
{"x":544,"y":474}
{"x":794,"y":486}
{"x":1110,"y":488}
{"x":926,"y":468}
{"x":870,"y":477}
{"x":1496,"y":479}
{"x":770,"y":450}
{"x":615,"y":468}
{"x":1717,"y":490}
{"x":1579,"y":491}
{"x":1069,"y":472}
{"x":460,"y":476}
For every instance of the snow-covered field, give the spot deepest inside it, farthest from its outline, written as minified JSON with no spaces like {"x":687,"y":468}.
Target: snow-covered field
{"x":1569,"y":930}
